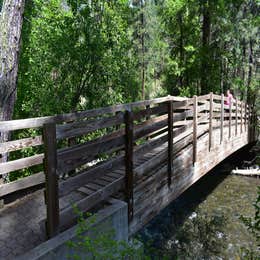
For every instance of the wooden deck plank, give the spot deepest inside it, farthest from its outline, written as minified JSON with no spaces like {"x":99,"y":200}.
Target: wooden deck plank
{"x":107,"y":178}
{"x":67,"y":215}
{"x":101,"y":182}
{"x":85,"y":190}
{"x":94,"y":186}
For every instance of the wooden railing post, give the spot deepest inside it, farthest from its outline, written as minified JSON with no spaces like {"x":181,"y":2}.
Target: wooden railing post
{"x":222,"y":118}
{"x":148,"y":117}
{"x":249,"y":123}
{"x":195,"y":127}
{"x":71,"y":142}
{"x":170,"y":141}
{"x":236,"y":115}
{"x":252,"y":123}
{"x":255,"y":131}
{"x":230,"y":119}
{"x":249,"y":117}
{"x":241,"y":117}
{"x":210,"y":120}
{"x":51,"y":191}
{"x":129,"y":148}
{"x":245,"y":116}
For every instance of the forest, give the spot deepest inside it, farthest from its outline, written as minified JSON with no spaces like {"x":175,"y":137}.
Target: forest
{"x":64,"y":56}
{"x":60,"y":56}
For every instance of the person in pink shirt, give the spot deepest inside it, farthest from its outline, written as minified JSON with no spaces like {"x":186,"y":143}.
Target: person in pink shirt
{"x":230,"y":97}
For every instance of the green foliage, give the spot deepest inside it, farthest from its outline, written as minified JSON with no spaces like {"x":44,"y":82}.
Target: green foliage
{"x":200,"y":237}
{"x":76,"y":57}
{"x":79,"y":54}
{"x":93,"y":244}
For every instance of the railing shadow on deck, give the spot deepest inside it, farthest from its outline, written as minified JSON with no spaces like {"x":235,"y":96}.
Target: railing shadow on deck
{"x":107,"y":143}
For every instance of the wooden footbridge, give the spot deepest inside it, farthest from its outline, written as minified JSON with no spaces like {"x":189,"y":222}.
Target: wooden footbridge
{"x":146,"y":153}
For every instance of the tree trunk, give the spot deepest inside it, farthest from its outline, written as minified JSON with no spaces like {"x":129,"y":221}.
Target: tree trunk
{"x":143,"y":50}
{"x":250,"y":69}
{"x":11,"y":20}
{"x":206,"y":27}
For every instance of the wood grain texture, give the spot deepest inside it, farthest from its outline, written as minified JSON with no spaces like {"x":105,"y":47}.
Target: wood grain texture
{"x":210,"y":120}
{"x":222,"y":118}
{"x":129,"y":162}
{"x":20,"y":144}
{"x":195,"y":128}
{"x":51,"y":190}
{"x":75,"y":156}
{"x":170,"y":141}
{"x":84,"y":177}
{"x":21,"y":184}
{"x":21,"y":163}
{"x":37,"y":122}
{"x":67,"y":216}
{"x":149,"y":111}
{"x":88,"y":126}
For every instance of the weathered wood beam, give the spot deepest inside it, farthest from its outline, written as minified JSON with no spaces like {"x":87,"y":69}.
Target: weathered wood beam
{"x":74,"y":182}
{"x":20,"y":163}
{"x":241,"y":118}
{"x":236,"y":116}
{"x":75,"y":156}
{"x":21,"y":184}
{"x":129,"y":162}
{"x":230,"y":118}
{"x":85,"y":127}
{"x":195,"y":128}
{"x":170,"y":141}
{"x":51,"y":191}
{"x":210,"y":119}
{"x":20,"y":144}
{"x":67,"y":216}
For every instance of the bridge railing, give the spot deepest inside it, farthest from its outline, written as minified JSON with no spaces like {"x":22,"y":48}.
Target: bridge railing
{"x":81,"y":146}
{"x":25,"y":148}
{"x":102,"y":142}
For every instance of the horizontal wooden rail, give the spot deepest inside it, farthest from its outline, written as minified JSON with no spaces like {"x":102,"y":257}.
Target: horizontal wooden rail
{"x":12,"y":125}
{"x":160,"y":109}
{"x":75,"y":156}
{"x":21,"y":184}
{"x":16,"y":145}
{"x":88,"y":126}
{"x":21,"y":163}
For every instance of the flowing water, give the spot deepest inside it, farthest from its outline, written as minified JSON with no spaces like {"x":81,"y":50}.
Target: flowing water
{"x":205,"y":221}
